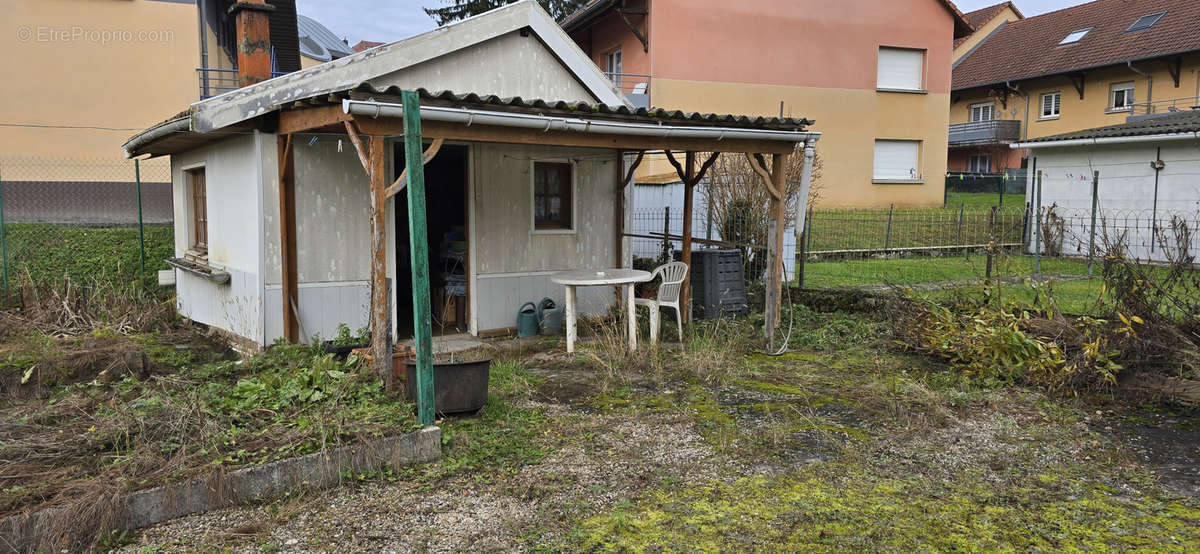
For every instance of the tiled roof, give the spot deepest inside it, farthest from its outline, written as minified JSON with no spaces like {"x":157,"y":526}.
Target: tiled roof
{"x":366,"y":45}
{"x":1167,"y":124}
{"x":1029,"y":47}
{"x":982,"y":16}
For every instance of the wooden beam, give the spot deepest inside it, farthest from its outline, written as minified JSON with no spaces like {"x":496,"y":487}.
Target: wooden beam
{"x":1077,"y":81}
{"x":624,"y":177}
{"x":287,"y":240}
{"x":637,"y":33}
{"x":633,"y":167}
{"x":307,"y":119}
{"x":756,"y":163}
{"x":1174,"y":67}
{"x":775,"y":248}
{"x":513,"y":135}
{"x":381,"y":335}
{"x":364,"y":156}
{"x":685,"y":291}
{"x":426,"y":157}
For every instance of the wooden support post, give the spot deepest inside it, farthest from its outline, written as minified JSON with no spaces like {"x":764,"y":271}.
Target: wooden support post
{"x":776,"y":185}
{"x":623,"y":176}
{"x":287,"y":240}
{"x":381,"y":335}
{"x":690,"y":177}
{"x":419,"y":247}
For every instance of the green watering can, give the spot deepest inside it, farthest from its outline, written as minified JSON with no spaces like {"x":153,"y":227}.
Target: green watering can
{"x":527,"y":320}
{"x":551,"y":317}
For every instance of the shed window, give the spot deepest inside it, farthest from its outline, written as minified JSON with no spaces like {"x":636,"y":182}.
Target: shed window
{"x":897,"y":160}
{"x":1121,"y":96}
{"x":551,"y":195}
{"x":198,"y":198}
{"x":900,"y":69}
{"x":982,"y":112}
{"x":1051,"y":102}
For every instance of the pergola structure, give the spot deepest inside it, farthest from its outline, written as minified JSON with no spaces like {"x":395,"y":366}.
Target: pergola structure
{"x":371,"y":117}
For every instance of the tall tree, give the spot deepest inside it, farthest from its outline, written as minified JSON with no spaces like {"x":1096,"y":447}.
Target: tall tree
{"x":462,"y":9}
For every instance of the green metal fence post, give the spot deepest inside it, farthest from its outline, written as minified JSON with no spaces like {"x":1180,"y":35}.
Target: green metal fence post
{"x":1092,"y":233}
{"x":417,"y":232}
{"x":3,"y":247}
{"x":137,"y":174}
{"x":1037,"y":226}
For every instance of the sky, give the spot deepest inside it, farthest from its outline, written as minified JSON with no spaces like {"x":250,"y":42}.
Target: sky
{"x":392,"y":20}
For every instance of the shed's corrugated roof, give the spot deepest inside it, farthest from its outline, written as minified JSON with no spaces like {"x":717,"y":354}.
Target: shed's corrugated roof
{"x":584,"y":109}
{"x":318,"y":42}
{"x":1168,"y":124}
{"x":1029,"y":47}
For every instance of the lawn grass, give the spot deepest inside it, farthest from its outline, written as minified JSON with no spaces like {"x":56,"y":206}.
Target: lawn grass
{"x":924,"y":269}
{"x":877,"y":229}
{"x":48,"y":253}
{"x":983,"y":200}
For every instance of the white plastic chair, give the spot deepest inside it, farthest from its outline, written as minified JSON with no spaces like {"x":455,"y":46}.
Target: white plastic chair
{"x":672,"y":275}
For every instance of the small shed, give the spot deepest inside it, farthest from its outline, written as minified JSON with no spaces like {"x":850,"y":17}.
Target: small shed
{"x":287,"y":219}
{"x":1142,"y":176}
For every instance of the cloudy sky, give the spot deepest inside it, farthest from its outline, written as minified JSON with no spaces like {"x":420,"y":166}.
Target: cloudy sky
{"x":390,"y":20}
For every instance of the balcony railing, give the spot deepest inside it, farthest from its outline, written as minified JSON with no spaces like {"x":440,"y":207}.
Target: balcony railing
{"x":996,"y":131}
{"x":634,"y":86}
{"x":1170,"y":105}
{"x":214,"y":81}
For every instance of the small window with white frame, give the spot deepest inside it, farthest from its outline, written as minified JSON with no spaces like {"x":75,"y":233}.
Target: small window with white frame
{"x":983,"y":112}
{"x":1051,"y":104}
{"x":197,"y":201}
{"x":553,"y":196}
{"x":612,"y":66}
{"x":1121,"y":97}
{"x":979,"y":163}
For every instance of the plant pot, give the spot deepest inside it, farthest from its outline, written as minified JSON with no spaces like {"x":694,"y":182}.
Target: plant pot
{"x":457,"y":387}
{"x":400,"y":354}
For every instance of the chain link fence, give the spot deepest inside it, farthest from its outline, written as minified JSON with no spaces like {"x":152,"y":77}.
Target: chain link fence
{"x":83,"y":220}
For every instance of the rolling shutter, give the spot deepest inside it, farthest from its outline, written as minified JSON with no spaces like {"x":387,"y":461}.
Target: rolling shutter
{"x":897,"y":159}
{"x":900,"y":68}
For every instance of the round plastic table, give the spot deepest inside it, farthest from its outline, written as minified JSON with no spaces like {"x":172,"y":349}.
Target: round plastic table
{"x":597,"y":278}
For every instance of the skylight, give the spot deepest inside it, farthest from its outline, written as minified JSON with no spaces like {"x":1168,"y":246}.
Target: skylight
{"x":1075,"y":36}
{"x":1145,"y":22}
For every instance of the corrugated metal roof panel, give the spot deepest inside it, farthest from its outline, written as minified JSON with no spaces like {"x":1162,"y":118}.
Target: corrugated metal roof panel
{"x":318,"y":42}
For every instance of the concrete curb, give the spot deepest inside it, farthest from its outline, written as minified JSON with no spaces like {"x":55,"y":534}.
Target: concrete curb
{"x":25,"y":532}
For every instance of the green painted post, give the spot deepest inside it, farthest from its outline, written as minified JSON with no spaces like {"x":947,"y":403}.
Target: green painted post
{"x":137,"y":174}
{"x":417,"y":233}
{"x":3,"y":247}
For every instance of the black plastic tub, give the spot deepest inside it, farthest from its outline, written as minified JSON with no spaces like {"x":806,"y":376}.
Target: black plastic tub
{"x":457,"y":387}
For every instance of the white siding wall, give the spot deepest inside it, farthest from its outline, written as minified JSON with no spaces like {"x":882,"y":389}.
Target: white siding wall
{"x":234,"y":189}
{"x":1126,"y":191}
{"x":332,"y":237}
{"x":511,"y":263}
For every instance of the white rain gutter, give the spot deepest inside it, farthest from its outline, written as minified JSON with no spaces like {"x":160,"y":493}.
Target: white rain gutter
{"x":805,"y":187}
{"x":1194,"y":135}
{"x":557,"y":123}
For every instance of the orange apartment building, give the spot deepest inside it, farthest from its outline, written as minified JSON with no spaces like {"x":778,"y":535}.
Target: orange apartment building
{"x":879,"y":91}
{"x":1092,"y":65}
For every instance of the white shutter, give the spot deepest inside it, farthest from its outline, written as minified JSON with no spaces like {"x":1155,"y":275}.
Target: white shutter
{"x":897,"y":159}
{"x":900,"y":68}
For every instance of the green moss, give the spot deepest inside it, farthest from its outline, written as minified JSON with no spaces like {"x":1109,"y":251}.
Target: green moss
{"x":825,"y":511}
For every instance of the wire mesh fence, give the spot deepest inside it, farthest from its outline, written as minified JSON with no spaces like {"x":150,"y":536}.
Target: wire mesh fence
{"x":83,"y":220}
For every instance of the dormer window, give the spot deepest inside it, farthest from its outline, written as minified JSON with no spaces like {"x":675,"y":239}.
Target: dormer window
{"x":1075,"y":36}
{"x":1145,"y":22}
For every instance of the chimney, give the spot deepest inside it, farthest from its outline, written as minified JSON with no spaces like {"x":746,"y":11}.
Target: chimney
{"x":253,"y":40}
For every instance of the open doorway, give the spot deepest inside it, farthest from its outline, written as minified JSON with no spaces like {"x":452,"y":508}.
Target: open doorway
{"x":446,"y":217}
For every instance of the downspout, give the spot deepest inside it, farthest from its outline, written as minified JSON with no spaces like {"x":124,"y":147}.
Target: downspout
{"x":1149,"y":86}
{"x":805,"y":186}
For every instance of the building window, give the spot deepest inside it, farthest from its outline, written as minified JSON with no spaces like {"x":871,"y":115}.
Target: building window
{"x":897,"y":160}
{"x":552,"y":200}
{"x":1121,"y":96}
{"x":1051,"y":101}
{"x":979,"y":163}
{"x":1075,"y":36}
{"x":900,"y":69}
{"x":982,"y":112}
{"x":198,"y":206}
{"x":612,"y":66}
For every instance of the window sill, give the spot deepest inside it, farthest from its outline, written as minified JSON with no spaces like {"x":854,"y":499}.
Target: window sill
{"x":544,"y":232}
{"x":1048,"y":118}
{"x":898,"y":181}
{"x":1118,"y":110}
{"x":199,"y":267}
{"x":903,"y":90}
